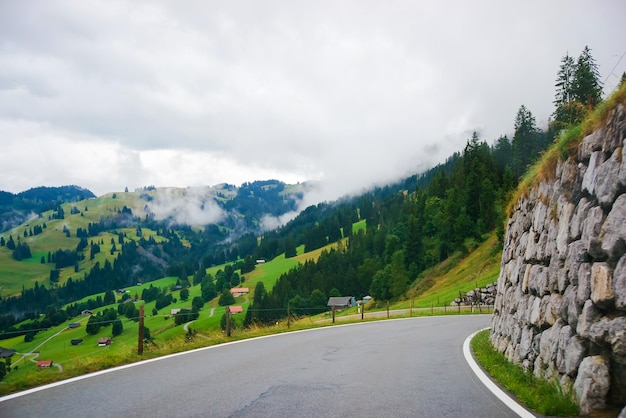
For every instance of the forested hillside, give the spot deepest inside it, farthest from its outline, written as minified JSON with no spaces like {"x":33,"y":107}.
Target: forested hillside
{"x":410,"y":226}
{"x":17,"y":208}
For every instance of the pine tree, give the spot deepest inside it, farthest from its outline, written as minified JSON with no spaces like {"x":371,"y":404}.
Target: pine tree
{"x":587,"y":87}
{"x":565,"y":81}
{"x":525,"y":141}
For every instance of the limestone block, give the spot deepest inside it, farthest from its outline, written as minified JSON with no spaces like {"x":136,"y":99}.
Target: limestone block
{"x":591,"y":231}
{"x":531,"y":245}
{"x":510,"y":301}
{"x":561,"y":346}
{"x":570,"y":309}
{"x":522,"y":243}
{"x":576,"y":255}
{"x":584,"y":283}
{"x":592,"y":383}
{"x":535,"y":312}
{"x":607,"y":180}
{"x":591,"y":175}
{"x":613,"y":231}
{"x":565,"y":212}
{"x":516,"y":266}
{"x":599,"y":331}
{"x":553,"y":230}
{"x":619,"y":284}
{"x":526,"y":342}
{"x":538,"y":280}
{"x":555,"y":271}
{"x":543,"y":248}
{"x":616,"y":336}
{"x":589,"y":144}
{"x":516,"y":334}
{"x":576,"y":225}
{"x":553,"y":310}
{"x":539,"y":217}
{"x":525,"y":281}
{"x":588,"y":316}
{"x":602,"y":293}
{"x":538,"y":367}
{"x":574,"y":354}
{"x":510,"y":352}
{"x":549,"y":338}
{"x":503,"y":344}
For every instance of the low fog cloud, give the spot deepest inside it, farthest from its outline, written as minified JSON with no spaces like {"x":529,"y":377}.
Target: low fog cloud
{"x":192,"y":206}
{"x":348,"y":94}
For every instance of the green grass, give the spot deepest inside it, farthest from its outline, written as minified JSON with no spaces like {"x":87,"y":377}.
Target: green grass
{"x":441,"y":285}
{"x":170,"y":338}
{"x":542,"y":396}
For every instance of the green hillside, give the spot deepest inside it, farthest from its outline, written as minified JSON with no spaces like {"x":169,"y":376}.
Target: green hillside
{"x":463,"y":273}
{"x":17,"y":274}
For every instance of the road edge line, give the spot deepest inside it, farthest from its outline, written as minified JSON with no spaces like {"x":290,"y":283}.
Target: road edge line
{"x":499,"y":393}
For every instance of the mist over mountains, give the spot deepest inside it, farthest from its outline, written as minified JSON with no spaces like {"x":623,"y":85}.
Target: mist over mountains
{"x":252,"y":207}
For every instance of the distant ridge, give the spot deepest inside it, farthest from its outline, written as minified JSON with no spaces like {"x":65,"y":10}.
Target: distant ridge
{"x":17,"y":208}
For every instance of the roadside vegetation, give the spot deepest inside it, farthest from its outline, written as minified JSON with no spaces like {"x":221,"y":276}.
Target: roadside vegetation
{"x":540,"y":395}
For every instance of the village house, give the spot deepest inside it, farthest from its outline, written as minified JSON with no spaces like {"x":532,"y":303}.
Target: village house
{"x":235,"y":309}
{"x":44,"y":364}
{"x":104,"y":341}
{"x":341,"y":302}
{"x":6,"y":352}
{"x":238,"y":291}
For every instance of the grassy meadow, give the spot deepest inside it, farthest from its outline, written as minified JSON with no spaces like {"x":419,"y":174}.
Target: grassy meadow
{"x":55,"y":343}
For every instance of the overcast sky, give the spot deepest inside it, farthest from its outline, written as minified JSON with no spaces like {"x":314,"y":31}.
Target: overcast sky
{"x":114,"y":94}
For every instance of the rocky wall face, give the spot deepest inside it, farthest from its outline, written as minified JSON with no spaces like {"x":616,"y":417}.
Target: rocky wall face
{"x":560,"y":307}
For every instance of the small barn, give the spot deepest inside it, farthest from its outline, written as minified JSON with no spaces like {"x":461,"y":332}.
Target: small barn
{"x":104,"y":341}
{"x":76,"y":341}
{"x":238,"y":291}
{"x":6,"y":352}
{"x":44,"y":364}
{"x":235,"y":309}
{"x":341,"y":302}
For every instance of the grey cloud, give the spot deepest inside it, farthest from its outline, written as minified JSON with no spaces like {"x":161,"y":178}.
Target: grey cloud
{"x":350,"y":93}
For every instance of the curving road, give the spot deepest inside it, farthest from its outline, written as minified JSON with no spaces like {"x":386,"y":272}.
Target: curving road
{"x":399,"y":368}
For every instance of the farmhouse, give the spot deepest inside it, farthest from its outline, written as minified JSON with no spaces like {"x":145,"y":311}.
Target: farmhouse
{"x":235,"y":309}
{"x":341,"y":302}
{"x":6,"y":352}
{"x":104,"y":341}
{"x":44,"y":364}
{"x":238,"y":291}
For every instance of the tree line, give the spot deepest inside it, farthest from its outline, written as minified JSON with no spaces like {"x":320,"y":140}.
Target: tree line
{"x":410,"y":226}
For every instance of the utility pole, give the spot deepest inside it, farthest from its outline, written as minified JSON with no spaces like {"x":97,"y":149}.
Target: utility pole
{"x":228,"y":321}
{"x":140,"y":338}
{"x":288,"y":315}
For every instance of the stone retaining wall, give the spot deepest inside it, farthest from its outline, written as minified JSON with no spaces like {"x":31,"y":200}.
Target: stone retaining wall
{"x":560,"y":308}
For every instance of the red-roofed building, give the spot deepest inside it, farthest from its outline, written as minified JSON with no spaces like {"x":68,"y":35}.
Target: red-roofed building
{"x":44,"y":364}
{"x":235,"y":309}
{"x":238,"y":291}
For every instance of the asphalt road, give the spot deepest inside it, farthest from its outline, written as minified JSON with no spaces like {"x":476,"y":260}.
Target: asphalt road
{"x":398,"y":368}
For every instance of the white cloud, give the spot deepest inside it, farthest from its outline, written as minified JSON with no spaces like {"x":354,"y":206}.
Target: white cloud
{"x":114,"y":94}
